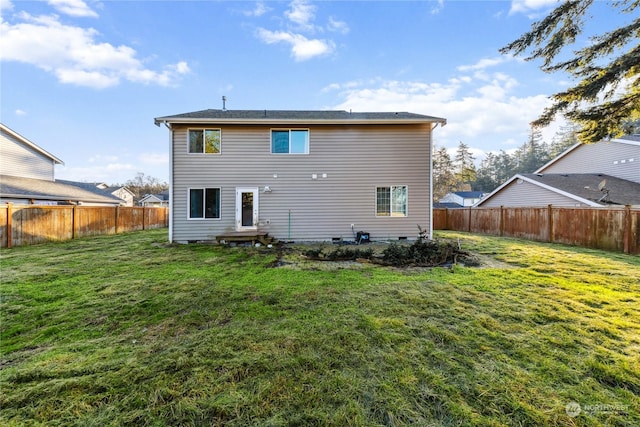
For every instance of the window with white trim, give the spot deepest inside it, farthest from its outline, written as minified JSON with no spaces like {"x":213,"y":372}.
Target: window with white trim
{"x":204,"y":141}
{"x":204,"y":203}
{"x":391,"y":201}
{"x":290,"y":141}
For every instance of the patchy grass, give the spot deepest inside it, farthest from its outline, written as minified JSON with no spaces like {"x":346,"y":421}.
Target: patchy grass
{"x":126,"y":330}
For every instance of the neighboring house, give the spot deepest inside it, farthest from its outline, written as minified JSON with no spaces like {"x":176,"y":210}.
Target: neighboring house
{"x":568,"y":190}
{"x":122,"y":193}
{"x":601,"y":174}
{"x":119,"y":191}
{"x":460,"y":199}
{"x":618,"y":157}
{"x":28,"y":191}
{"x":21,"y":157}
{"x":155,"y":200}
{"x":27,"y":176}
{"x":299,"y":175}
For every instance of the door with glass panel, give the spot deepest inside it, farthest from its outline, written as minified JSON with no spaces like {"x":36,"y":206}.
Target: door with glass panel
{"x":246,"y":209}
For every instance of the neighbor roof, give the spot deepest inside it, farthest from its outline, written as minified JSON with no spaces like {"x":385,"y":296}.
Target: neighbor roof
{"x":587,"y":186}
{"x":28,"y":188}
{"x":292,"y":116}
{"x":583,"y":187}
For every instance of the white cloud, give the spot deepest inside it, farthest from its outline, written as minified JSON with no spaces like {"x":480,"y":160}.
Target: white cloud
{"x":437,"y":6}
{"x":300,"y":17}
{"x":485,"y":63}
{"x":154,"y":158}
{"x":5,"y":5}
{"x":20,"y":112}
{"x":100,"y":158}
{"x":75,"y":56}
{"x":530,"y":7}
{"x":483,"y":114}
{"x":76,"y":8}
{"x":302,"y":48}
{"x":301,"y":13}
{"x":259,"y":10}
{"x":337,"y":26}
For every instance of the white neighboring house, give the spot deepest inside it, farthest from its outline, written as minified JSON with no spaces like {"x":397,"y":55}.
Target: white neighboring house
{"x":461,"y":199}
{"x":155,"y":200}
{"x":27,"y":177}
{"x":119,"y":191}
{"x":603,"y":174}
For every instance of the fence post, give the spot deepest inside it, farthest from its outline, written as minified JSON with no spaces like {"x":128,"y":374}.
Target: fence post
{"x":74,"y":222}
{"x":446,"y":219}
{"x":550,"y":223}
{"x":117,"y":217}
{"x":627,"y":230}
{"x":144,"y":216}
{"x":9,"y":224}
{"x":501,"y":221}
{"x":469,"y":220}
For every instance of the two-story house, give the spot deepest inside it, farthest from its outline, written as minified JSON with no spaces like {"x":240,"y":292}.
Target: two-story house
{"x":299,"y":175}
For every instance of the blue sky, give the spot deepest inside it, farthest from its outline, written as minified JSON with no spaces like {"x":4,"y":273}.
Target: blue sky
{"x":84,"y":79}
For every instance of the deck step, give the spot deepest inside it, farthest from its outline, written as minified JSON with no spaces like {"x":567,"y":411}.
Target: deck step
{"x":246,"y":236}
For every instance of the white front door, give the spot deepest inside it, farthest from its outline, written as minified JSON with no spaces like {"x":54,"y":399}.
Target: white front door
{"x":246,"y":209}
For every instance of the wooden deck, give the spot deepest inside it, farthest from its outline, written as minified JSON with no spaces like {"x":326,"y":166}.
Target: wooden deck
{"x":246,"y":236}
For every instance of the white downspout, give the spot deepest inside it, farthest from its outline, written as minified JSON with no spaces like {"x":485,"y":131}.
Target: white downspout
{"x":431,"y":180}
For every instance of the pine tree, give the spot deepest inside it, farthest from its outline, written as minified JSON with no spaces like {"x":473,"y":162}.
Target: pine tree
{"x":443,"y":174}
{"x":607,"y":68}
{"x":465,"y":168}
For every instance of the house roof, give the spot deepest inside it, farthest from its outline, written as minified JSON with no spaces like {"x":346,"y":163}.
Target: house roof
{"x":30,"y":144}
{"x":60,"y":190}
{"x":160,"y":197}
{"x":469,"y":194}
{"x":635,"y":138}
{"x":113,"y":189}
{"x":583,"y":187}
{"x":295,"y":116}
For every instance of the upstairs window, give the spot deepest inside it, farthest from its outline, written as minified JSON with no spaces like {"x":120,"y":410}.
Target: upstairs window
{"x":391,"y":201}
{"x":290,"y":141}
{"x":205,"y":141}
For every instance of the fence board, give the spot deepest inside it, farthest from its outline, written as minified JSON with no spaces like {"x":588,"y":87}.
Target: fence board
{"x":612,"y":229}
{"x":29,"y":225}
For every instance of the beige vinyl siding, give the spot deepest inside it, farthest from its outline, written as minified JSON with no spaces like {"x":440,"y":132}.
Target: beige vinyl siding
{"x":621,"y":160}
{"x":17,"y":159}
{"x":356,"y":159}
{"x":520,"y":193}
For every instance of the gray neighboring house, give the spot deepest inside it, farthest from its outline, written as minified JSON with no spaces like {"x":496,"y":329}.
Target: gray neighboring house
{"x":299,"y":175}
{"x":606,"y":173}
{"x":27,"y":177}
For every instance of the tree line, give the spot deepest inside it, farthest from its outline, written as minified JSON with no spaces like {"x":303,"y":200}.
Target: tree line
{"x":460,"y":173}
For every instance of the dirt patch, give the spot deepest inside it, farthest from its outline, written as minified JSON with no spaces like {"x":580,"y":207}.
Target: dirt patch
{"x":322,"y":256}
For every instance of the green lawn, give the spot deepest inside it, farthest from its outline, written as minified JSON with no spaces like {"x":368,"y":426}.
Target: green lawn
{"x":127,"y":330}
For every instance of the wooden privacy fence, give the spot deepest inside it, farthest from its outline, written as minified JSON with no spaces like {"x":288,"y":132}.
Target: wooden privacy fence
{"x":612,"y":229}
{"x":31,"y":224}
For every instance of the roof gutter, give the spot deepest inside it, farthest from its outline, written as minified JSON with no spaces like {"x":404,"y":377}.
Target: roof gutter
{"x":237,"y":121}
